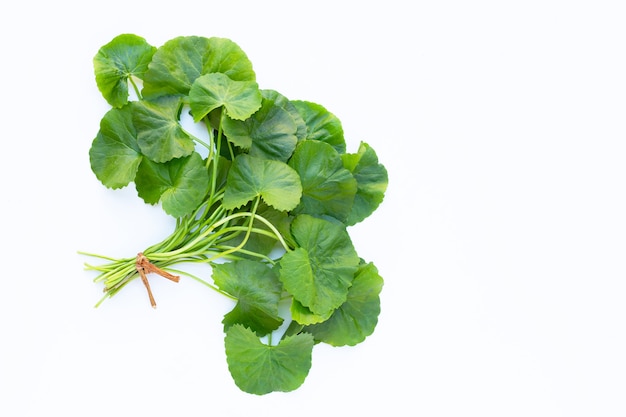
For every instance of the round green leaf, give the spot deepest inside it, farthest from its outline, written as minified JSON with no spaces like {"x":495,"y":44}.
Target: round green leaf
{"x":211,"y":91}
{"x":178,"y":62}
{"x":371,"y":178}
{"x":114,"y":154}
{"x":319,"y":272}
{"x":125,"y":56}
{"x":159,"y":133}
{"x":259,"y":369}
{"x":257,"y":289}
{"x":356,"y":319}
{"x":269,"y":133}
{"x":180,"y":184}
{"x":249,"y":177}
{"x":321,"y":124}
{"x":327,"y":187}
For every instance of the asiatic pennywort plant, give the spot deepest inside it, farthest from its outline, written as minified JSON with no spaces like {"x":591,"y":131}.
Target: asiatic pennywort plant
{"x":265,"y":202}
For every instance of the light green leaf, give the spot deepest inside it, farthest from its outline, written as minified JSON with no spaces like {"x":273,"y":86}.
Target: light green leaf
{"x":177,"y":63}
{"x":302,"y":315}
{"x":125,"y":56}
{"x":356,"y":319}
{"x":249,"y":177}
{"x":371,"y":178}
{"x":211,"y":91}
{"x":114,"y":154}
{"x":327,"y":187}
{"x":257,"y":289}
{"x":180,"y":184}
{"x":269,"y":133}
{"x":159,"y":133}
{"x":259,"y":369}
{"x":321,"y":124}
{"x":319,"y":272}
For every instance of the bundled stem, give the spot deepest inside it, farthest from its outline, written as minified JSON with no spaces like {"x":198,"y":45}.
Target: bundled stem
{"x":198,"y":238}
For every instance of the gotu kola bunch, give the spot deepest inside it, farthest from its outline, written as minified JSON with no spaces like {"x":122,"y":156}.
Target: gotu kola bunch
{"x":265,"y":202}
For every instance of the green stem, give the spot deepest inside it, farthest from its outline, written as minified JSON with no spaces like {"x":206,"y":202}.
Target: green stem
{"x":203,"y":235}
{"x":212,"y":143}
{"x":247,"y":236}
{"x":132,"y":82}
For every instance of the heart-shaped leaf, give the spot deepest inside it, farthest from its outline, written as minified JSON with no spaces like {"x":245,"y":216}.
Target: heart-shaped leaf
{"x":257,"y":289}
{"x":177,"y":63}
{"x":180,"y":184}
{"x":259,"y":369}
{"x":269,"y":133}
{"x":125,"y":56}
{"x":355,"y":319}
{"x":327,"y":187}
{"x":114,"y":154}
{"x":249,"y":177}
{"x":159,"y":133}
{"x":319,"y":272}
{"x":211,"y":91}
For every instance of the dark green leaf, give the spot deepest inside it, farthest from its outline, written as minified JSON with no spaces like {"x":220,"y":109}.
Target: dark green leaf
{"x":180,"y":184}
{"x":159,"y":133}
{"x":211,"y":91}
{"x":177,"y":64}
{"x":259,"y":369}
{"x":250,"y":177}
{"x":269,"y":133}
{"x":327,"y":187}
{"x":321,"y":124}
{"x":125,"y":56}
{"x":319,"y":272}
{"x":257,"y":289}
{"x":114,"y":154}
{"x":371,"y":178}
{"x":356,"y":319}
{"x":282,"y":101}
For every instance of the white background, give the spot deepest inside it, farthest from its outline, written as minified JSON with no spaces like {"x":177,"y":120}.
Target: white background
{"x":502,"y":238}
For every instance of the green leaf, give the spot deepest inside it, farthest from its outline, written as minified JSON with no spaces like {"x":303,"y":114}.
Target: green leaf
{"x":321,"y":124}
{"x":269,"y":133}
{"x":356,"y":319}
{"x":177,"y":63}
{"x":159,"y":133}
{"x":302,"y":315}
{"x":371,"y":178}
{"x":257,"y":289}
{"x":211,"y":91}
{"x":180,"y":184}
{"x":249,"y":177}
{"x":319,"y":272}
{"x":282,"y":101}
{"x":125,"y":56}
{"x":259,"y":369}
{"x":327,"y":187}
{"x":114,"y":154}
